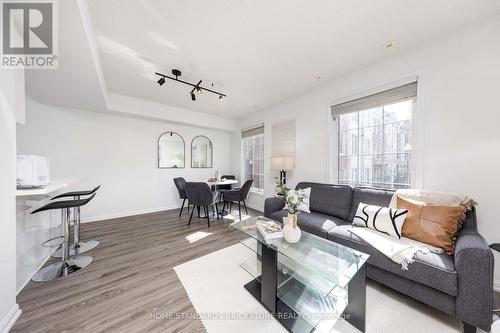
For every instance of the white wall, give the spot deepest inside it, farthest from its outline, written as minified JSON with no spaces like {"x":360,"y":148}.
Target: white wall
{"x":120,"y":153}
{"x":10,"y":103}
{"x":459,"y":81}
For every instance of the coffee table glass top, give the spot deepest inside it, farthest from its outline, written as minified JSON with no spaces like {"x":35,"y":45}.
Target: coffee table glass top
{"x":319,"y":263}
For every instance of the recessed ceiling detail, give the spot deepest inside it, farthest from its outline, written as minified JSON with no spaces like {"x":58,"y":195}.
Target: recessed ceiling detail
{"x":252,"y":56}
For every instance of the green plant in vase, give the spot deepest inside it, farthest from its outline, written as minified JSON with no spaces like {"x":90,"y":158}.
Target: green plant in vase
{"x":292,"y":199}
{"x":281,"y":189}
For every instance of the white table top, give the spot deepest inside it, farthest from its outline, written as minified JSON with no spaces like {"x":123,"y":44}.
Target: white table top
{"x":53,"y":186}
{"x":223,"y":182}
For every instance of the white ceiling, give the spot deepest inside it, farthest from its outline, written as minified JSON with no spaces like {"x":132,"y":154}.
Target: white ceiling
{"x":259,"y":52}
{"x":75,"y":83}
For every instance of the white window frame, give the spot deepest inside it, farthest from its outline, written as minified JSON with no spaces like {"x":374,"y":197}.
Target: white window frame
{"x":417,"y":128}
{"x":242,"y":163}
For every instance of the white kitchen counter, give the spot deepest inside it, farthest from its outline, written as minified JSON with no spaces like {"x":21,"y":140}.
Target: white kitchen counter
{"x":52,"y":187}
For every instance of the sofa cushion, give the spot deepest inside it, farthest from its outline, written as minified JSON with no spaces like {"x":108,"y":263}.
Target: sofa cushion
{"x":334,"y":200}
{"x":319,"y":224}
{"x":433,"y":270}
{"x":384,"y":220}
{"x":370,"y":196}
{"x":278,"y":215}
{"x":432,"y":224}
{"x":314,"y":223}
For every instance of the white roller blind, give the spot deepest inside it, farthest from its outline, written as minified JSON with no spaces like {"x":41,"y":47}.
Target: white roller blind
{"x":252,"y":131}
{"x":390,"y":96}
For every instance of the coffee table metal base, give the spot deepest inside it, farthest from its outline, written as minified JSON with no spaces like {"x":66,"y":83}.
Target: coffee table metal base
{"x":284,"y":314}
{"x":264,"y":290}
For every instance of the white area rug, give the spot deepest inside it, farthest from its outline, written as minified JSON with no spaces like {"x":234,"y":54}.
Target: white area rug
{"x":214,"y":284}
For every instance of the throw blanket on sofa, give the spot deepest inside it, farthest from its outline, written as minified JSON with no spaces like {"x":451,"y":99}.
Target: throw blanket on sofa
{"x":401,"y":251}
{"x":434,"y":198}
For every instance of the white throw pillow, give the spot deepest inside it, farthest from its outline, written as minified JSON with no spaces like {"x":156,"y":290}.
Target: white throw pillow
{"x":386,"y":220}
{"x":304,"y":206}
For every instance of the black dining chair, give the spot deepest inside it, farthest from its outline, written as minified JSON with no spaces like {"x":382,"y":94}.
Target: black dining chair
{"x":221,"y":188}
{"x":199,"y":195}
{"x":239,"y":195}
{"x":226,"y":187}
{"x":180,"y":183}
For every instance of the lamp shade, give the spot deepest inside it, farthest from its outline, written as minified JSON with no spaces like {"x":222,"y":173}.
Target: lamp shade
{"x":282,"y":163}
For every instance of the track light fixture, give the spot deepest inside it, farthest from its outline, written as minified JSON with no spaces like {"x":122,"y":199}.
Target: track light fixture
{"x":198,"y":90}
{"x":196,"y":87}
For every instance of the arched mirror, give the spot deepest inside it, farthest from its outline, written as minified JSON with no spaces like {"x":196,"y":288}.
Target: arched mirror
{"x":201,"y":152}
{"x":171,"y":151}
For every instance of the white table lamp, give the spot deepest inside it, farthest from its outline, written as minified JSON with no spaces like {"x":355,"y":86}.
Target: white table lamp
{"x":282,"y":164}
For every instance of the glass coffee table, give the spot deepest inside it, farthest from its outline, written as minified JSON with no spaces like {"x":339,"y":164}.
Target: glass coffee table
{"x":306,"y":286}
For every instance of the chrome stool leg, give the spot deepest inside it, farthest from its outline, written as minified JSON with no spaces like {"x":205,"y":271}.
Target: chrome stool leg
{"x":78,"y":246}
{"x":81,"y":247}
{"x":68,"y":265}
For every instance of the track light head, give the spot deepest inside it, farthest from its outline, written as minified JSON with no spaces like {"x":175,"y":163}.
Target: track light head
{"x":161,"y":81}
{"x":221,"y":98}
{"x":199,"y":91}
{"x":193,"y":96}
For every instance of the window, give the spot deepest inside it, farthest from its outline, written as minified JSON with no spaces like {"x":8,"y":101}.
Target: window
{"x":253,"y":156}
{"x":374,"y":139}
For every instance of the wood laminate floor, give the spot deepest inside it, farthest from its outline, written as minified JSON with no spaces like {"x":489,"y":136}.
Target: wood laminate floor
{"x":131,"y":285}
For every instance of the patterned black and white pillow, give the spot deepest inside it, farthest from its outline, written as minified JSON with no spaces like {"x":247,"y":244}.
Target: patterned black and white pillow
{"x":386,"y":220}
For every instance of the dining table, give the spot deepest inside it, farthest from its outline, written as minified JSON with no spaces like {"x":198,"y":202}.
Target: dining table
{"x":220,"y":182}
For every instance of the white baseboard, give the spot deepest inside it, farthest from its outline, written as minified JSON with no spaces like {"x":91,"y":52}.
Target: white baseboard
{"x":9,"y":320}
{"x":132,"y":213}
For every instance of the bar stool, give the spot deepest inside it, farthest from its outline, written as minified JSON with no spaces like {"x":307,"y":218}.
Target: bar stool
{"x":78,"y":246}
{"x":68,"y":264}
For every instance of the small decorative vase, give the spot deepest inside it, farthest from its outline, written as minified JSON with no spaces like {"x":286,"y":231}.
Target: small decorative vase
{"x":291,"y":231}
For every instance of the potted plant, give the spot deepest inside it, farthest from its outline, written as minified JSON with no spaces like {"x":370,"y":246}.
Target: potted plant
{"x":292,"y":199}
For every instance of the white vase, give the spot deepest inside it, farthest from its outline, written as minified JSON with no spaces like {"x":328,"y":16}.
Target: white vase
{"x":291,"y":231}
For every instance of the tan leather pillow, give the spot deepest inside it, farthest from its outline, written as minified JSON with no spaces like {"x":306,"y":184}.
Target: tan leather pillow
{"x":431,"y":224}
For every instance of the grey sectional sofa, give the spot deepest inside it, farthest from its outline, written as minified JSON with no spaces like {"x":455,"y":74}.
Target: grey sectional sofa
{"x":460,"y":285}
